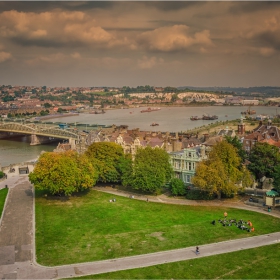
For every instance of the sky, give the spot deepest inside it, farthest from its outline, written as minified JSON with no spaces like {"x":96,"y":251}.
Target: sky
{"x":133,"y":43}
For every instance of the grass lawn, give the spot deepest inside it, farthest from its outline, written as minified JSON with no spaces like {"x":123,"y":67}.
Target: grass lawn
{"x":89,"y":227}
{"x":3,"y":194}
{"x":257,"y":263}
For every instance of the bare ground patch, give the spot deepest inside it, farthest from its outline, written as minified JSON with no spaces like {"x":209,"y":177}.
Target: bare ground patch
{"x":158,"y":235}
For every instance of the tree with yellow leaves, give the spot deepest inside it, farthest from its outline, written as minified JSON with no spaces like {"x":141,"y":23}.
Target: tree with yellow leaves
{"x":63,"y":173}
{"x":222,"y":171}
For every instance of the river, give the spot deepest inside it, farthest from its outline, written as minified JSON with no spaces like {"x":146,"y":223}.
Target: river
{"x":173,"y":119}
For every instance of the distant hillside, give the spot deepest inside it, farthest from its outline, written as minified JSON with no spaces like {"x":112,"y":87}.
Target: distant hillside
{"x":259,"y":91}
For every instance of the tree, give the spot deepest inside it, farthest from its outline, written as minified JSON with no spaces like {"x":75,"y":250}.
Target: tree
{"x":177,"y":187}
{"x":47,"y":105}
{"x":174,"y":97}
{"x":276,"y":177}
{"x":222,"y":171}
{"x":107,"y":158}
{"x":151,"y":169}
{"x":263,"y":160}
{"x":43,"y":113}
{"x":63,"y":173}
{"x":234,"y":141}
{"x":126,"y":169}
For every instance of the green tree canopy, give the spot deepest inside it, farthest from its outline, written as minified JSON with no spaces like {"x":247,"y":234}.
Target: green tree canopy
{"x":222,"y":171}
{"x":107,"y":157}
{"x":276,"y":178}
{"x":263,"y":160}
{"x":47,"y":105}
{"x":151,"y":169}
{"x":63,"y":173}
{"x":126,"y":169}
{"x":234,"y":141}
{"x":177,"y":187}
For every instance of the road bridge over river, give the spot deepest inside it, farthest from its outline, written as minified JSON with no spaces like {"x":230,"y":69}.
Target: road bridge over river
{"x":36,"y":131}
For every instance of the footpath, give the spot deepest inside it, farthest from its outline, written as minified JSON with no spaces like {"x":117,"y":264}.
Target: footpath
{"x":17,"y":239}
{"x":227,"y":203}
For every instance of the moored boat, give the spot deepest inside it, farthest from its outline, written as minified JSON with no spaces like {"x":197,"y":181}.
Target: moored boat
{"x":194,"y":118}
{"x":97,"y":112}
{"x":209,"y":117}
{"x":149,"y":110}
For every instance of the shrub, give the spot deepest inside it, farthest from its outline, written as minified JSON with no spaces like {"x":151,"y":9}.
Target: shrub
{"x":199,"y":195}
{"x":177,"y":187}
{"x":1,"y":174}
{"x":224,"y":195}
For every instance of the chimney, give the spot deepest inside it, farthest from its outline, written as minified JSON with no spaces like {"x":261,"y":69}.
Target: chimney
{"x":206,"y":137}
{"x":173,"y":140}
{"x":269,"y":122}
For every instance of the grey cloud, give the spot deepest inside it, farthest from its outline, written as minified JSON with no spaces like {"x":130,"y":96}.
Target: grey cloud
{"x":127,"y":29}
{"x":40,"y":6}
{"x":44,"y":43}
{"x":253,"y":6}
{"x":269,"y":39}
{"x":171,"y":5}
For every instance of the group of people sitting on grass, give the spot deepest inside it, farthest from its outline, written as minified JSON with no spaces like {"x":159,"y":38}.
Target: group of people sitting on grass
{"x":240,"y":224}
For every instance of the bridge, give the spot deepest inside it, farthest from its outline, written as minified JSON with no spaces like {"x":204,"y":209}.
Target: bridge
{"x":40,"y":130}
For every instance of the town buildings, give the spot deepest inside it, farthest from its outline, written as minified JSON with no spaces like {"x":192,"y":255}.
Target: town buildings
{"x":265,"y":133}
{"x":16,"y":100}
{"x":184,"y":162}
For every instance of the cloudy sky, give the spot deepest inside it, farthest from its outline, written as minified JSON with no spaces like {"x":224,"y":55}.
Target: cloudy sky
{"x":105,"y":43}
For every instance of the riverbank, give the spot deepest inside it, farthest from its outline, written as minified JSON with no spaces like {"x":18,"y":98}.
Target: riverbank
{"x":55,"y":116}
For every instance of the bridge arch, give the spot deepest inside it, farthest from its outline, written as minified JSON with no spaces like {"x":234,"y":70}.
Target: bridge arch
{"x":39,"y":130}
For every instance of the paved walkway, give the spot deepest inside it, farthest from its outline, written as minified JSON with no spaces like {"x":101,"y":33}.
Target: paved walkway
{"x":17,"y":247}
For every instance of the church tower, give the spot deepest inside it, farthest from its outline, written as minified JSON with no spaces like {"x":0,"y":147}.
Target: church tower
{"x":241,"y":126}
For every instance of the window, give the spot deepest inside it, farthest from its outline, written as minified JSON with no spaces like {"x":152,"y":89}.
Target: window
{"x":190,"y":166}
{"x":177,"y":164}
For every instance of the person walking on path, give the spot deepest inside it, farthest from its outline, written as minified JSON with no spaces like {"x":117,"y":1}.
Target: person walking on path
{"x":197,"y":250}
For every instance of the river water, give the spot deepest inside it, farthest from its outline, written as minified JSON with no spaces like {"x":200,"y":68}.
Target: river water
{"x":172,"y":119}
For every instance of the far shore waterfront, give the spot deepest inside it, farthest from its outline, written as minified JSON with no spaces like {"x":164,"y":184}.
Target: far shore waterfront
{"x":172,"y":119}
